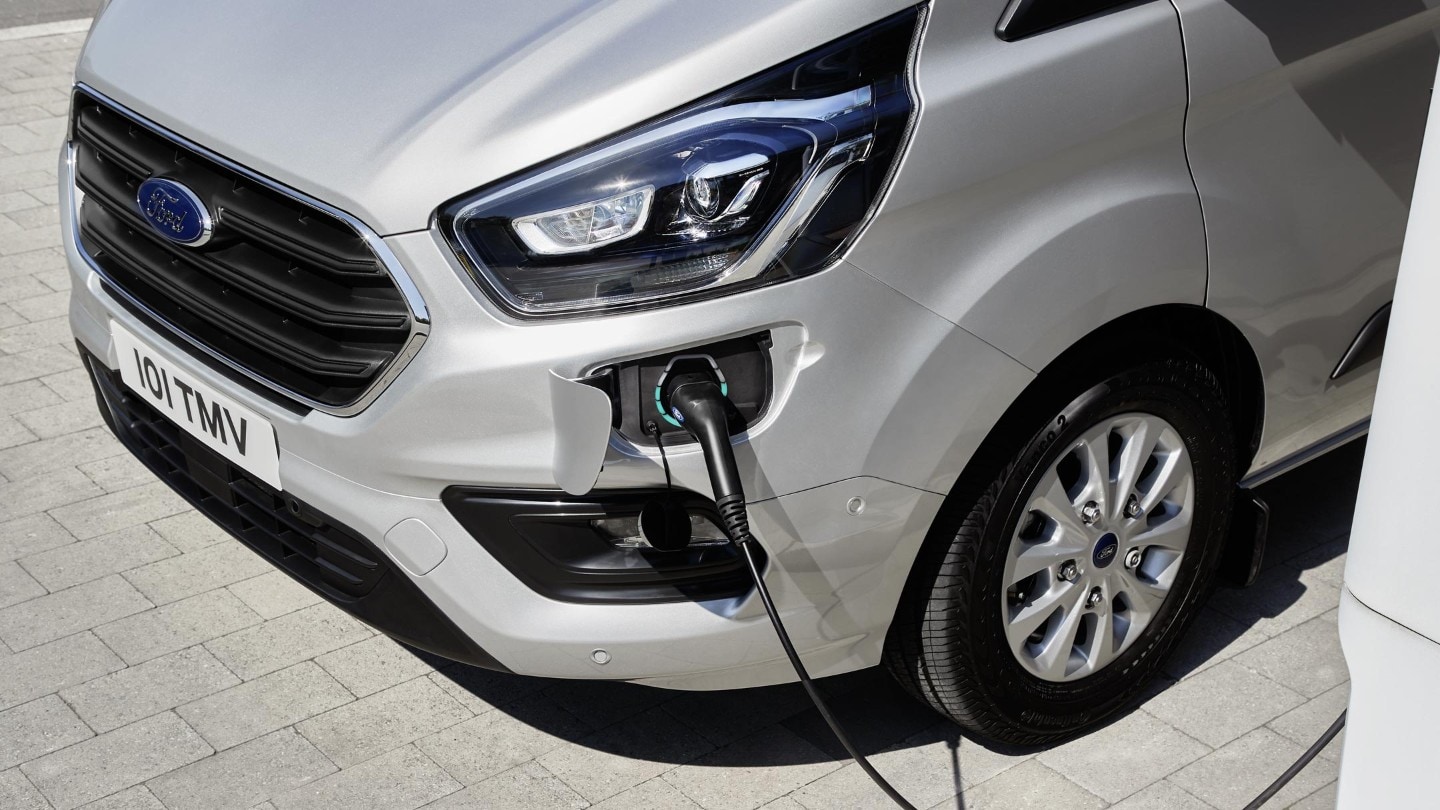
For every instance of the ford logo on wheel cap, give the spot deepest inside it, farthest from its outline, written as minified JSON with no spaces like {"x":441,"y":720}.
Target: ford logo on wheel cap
{"x":174,"y":211}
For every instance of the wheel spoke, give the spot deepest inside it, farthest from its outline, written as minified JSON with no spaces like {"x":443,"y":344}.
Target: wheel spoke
{"x":1137,"y":448}
{"x":1174,"y":473}
{"x":1172,"y":533}
{"x":1054,"y":657}
{"x":1054,"y":502}
{"x":1036,"y":612}
{"x":1145,"y":597}
{"x":1094,"y":451}
{"x":1039,"y":557}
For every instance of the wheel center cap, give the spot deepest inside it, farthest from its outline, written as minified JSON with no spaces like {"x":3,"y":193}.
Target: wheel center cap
{"x":1105,"y":549}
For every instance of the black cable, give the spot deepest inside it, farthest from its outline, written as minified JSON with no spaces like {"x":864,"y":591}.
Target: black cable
{"x":747,"y":545}
{"x":660,"y":443}
{"x":1299,"y":765}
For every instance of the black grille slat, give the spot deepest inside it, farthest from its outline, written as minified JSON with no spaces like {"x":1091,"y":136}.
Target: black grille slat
{"x":288,"y":292}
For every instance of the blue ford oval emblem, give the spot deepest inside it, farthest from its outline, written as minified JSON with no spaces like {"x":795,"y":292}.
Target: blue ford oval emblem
{"x":1105,"y":549}
{"x":174,"y":211}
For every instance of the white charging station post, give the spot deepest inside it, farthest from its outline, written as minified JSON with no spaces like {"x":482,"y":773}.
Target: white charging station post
{"x":1390,"y":606}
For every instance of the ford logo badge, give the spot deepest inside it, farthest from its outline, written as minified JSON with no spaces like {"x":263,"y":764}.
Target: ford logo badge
{"x":1105,"y":549}
{"x":174,"y":211}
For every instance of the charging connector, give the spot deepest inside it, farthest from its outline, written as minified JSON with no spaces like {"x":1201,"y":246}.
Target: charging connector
{"x":696,"y":402}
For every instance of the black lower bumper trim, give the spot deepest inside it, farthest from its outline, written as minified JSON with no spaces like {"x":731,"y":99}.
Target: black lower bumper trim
{"x":317,"y":551}
{"x":546,"y":540}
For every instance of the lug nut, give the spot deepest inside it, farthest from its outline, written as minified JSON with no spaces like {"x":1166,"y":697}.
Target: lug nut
{"x":1132,"y":507}
{"x":1132,"y":559}
{"x":1068,"y":571}
{"x":1094,"y":598}
{"x":1090,"y":513}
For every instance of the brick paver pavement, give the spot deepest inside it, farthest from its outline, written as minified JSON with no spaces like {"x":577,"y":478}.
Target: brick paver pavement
{"x":147,"y":660}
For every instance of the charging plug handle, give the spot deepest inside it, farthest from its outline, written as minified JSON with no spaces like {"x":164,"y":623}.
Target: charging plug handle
{"x":695,"y":401}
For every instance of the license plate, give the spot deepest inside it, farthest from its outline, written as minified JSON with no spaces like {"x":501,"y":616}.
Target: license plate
{"x":234,"y":431}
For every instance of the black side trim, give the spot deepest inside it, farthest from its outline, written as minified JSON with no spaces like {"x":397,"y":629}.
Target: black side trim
{"x":317,"y":551}
{"x":1368,"y":345}
{"x":545,"y":539}
{"x":1023,"y":18}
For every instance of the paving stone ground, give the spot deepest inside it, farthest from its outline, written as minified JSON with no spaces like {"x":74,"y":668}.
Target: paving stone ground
{"x":149,"y":661}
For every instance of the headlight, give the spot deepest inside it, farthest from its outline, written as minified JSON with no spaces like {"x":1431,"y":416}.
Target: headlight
{"x":766,"y":181}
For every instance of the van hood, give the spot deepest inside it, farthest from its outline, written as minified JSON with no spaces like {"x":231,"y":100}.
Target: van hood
{"x":388,"y":109}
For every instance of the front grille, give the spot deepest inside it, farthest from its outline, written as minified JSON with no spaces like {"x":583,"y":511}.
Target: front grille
{"x":311,"y":546}
{"x":287,"y":292}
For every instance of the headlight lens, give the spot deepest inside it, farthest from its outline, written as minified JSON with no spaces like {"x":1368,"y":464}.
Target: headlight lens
{"x":766,"y":181}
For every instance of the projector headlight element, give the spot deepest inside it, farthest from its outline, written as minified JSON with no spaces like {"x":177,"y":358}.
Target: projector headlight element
{"x":766,"y":181}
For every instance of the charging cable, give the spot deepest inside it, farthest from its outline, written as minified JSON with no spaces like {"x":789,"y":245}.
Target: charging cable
{"x":696,"y":403}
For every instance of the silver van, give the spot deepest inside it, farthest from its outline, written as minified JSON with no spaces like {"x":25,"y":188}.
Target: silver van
{"x":1010,"y":302}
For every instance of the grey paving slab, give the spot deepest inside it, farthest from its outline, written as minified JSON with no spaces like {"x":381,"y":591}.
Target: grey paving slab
{"x":261,"y":706}
{"x":112,"y":762}
{"x":385,"y":720}
{"x":31,"y":534}
{"x":753,"y":770}
{"x":927,"y":768}
{"x":656,"y":794}
{"x":137,"y":692}
{"x":1211,"y":638}
{"x":371,"y":665}
{"x":16,"y":792}
{"x":399,"y":780}
{"x":197,"y":572}
{"x":117,"y":472}
{"x":1029,"y":785}
{"x":27,"y":395}
{"x":177,"y":625}
{"x":118,"y":510}
{"x":497,"y":741}
{"x":1236,"y":700}
{"x":1280,"y":599}
{"x":189,"y":531}
{"x":16,"y":585}
{"x":1162,"y":795}
{"x":1322,"y":799}
{"x":1304,"y":724}
{"x":1236,"y":773}
{"x":274,"y":594}
{"x":527,"y":785}
{"x":58,"y":454}
{"x":51,"y":667}
{"x":37,"y":728}
{"x":99,"y":557}
{"x":622,"y":756}
{"x":1149,"y":749}
{"x":245,"y":775}
{"x":1307,"y":658}
{"x":70,"y":611}
{"x":289,"y":639}
{"x":26,"y":495}
{"x":135,"y":798}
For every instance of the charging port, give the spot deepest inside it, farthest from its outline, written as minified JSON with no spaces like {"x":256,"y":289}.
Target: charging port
{"x":742,"y":363}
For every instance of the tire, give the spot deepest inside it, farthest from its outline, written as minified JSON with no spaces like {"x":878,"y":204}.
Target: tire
{"x":954,"y":644}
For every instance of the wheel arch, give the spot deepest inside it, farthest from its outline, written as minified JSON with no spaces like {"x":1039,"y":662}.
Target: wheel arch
{"x":1167,"y":331}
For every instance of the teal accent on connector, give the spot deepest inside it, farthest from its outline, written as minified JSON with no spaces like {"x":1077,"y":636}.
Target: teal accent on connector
{"x":724,"y":389}
{"x":668,"y":418}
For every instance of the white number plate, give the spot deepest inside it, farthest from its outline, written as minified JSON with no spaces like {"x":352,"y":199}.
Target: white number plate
{"x":234,"y":431}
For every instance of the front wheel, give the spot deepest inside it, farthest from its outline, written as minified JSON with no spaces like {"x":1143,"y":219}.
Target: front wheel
{"x":1048,"y":596}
